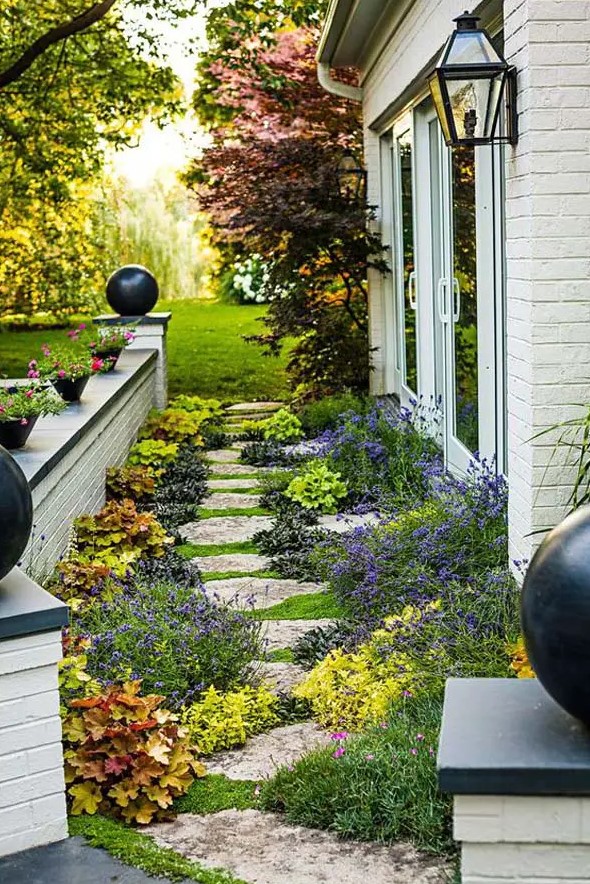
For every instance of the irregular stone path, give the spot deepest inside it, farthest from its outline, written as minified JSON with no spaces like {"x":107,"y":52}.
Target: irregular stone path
{"x":262,"y":848}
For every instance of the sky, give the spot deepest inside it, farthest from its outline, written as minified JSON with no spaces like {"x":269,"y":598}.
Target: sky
{"x":161,"y":151}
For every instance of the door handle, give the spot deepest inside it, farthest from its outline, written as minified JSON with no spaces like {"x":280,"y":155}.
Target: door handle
{"x":441,"y":299}
{"x":412,"y":289}
{"x":456,"y":300}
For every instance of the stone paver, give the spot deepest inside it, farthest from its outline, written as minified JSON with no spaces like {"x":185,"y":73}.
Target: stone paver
{"x":222,"y":455}
{"x":262,"y":848}
{"x":281,"y":678}
{"x":224,"y":500}
{"x":232,"y":562}
{"x":263,"y":754}
{"x":229,"y":482}
{"x":284,"y":633}
{"x":254,"y":406}
{"x":228,"y":529}
{"x":233,"y":469}
{"x":342,"y":523}
{"x":263,"y":591}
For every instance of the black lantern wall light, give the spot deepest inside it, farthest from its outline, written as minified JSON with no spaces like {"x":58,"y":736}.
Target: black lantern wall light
{"x":351,"y":177}
{"x":470,"y":85}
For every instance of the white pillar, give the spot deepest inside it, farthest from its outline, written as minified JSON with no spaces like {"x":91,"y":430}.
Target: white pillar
{"x":548,"y":259}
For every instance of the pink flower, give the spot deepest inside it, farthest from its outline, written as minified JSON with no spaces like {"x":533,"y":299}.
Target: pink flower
{"x":2,"y":409}
{"x":82,"y":326}
{"x":61,"y":373}
{"x":370,"y":757}
{"x":383,"y":724}
{"x":406,"y":693}
{"x":73,"y":334}
{"x":33,"y":363}
{"x":29,"y":394}
{"x":97,"y":364}
{"x":340,"y":751}
{"x":257,"y":790}
{"x":420,"y":737}
{"x":33,"y":374}
{"x":413,"y":751}
{"x":431,"y":751}
{"x":23,"y":422}
{"x":341,"y":735}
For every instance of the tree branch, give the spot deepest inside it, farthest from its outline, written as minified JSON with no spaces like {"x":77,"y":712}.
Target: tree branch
{"x":61,"y":32}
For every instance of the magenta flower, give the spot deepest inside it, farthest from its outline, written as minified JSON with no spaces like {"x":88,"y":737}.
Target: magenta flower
{"x":340,"y":751}
{"x":61,"y":373}
{"x":420,"y":737}
{"x":341,"y":735}
{"x":413,"y":751}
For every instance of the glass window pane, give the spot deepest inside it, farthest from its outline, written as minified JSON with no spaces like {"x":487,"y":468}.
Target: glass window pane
{"x":406,"y":259}
{"x":465,"y":297}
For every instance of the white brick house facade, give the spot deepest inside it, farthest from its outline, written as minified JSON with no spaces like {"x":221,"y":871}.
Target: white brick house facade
{"x":530,"y":268}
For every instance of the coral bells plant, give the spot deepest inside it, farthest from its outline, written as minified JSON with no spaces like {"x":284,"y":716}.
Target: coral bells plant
{"x":28,"y":401}
{"x":126,"y":756}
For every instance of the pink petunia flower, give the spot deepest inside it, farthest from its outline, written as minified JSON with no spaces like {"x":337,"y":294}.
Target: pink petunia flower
{"x":33,"y":374}
{"x":61,"y":373}
{"x":23,"y":422}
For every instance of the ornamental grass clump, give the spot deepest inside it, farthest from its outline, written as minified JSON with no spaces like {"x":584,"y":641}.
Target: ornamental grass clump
{"x":392,"y":766}
{"x":173,"y":638}
{"x":126,"y":756}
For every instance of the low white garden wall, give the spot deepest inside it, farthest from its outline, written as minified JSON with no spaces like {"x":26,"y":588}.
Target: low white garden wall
{"x":66,"y":456}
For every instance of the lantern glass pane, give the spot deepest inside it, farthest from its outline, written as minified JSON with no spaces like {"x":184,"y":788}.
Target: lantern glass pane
{"x":472,"y":47}
{"x":474,"y":105}
{"x":439,"y":105}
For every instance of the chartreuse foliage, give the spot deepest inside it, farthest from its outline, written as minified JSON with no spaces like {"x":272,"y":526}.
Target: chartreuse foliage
{"x":318,"y":488}
{"x":392,"y":766}
{"x":216,"y":792}
{"x":223,"y":721}
{"x":152,"y":453}
{"x":139,"y":850}
{"x":282,"y":426}
{"x":119,"y":535}
{"x":175,"y":425}
{"x":125,"y":755}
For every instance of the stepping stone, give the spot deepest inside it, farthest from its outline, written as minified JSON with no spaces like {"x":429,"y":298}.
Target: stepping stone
{"x":342,"y":523}
{"x":263,"y":754}
{"x":225,"y":500}
{"x":263,"y":848}
{"x":229,"y":482}
{"x":284,"y":633}
{"x":281,"y":678}
{"x":228,"y":529}
{"x":262,"y":592}
{"x":246,"y":562}
{"x":222,"y":455}
{"x":233,"y":469}
{"x":72,"y":861}
{"x":255,"y":406}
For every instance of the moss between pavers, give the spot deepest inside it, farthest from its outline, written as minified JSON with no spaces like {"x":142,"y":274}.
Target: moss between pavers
{"x":192,"y":550}
{"x":204,"y":513}
{"x":226,"y":575}
{"x":281,"y":655}
{"x":231,"y":477}
{"x":234,"y":490}
{"x":312,"y":606}
{"x":139,"y":850}
{"x":217,"y":792}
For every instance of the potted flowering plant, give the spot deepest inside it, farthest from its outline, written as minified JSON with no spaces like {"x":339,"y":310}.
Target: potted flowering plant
{"x":20,"y":408}
{"x":109,"y":343}
{"x":68,"y":368}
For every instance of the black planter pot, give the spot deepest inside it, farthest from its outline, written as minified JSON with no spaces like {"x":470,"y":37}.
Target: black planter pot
{"x":108,"y":356}
{"x":555,"y":613}
{"x":132,"y":291}
{"x":16,"y":512}
{"x":14,"y":434}
{"x":69,"y":390}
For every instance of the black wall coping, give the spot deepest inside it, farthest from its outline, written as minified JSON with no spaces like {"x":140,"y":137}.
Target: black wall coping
{"x":148,"y":319}
{"x":508,"y":737}
{"x":26,"y":608}
{"x":54,"y":436}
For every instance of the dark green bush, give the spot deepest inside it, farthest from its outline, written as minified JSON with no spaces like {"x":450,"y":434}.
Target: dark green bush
{"x":326,"y":413}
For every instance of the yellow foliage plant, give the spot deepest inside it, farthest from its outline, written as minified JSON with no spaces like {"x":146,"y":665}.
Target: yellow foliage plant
{"x":520,"y":663}
{"x":222,"y":721}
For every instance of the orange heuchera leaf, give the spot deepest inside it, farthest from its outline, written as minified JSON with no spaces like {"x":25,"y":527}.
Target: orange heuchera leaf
{"x":145,"y":769}
{"x":87,"y":798}
{"x":96,"y":721}
{"x":142,"y":811}
{"x":158,"y":748}
{"x":117,"y":764}
{"x":94,"y":770}
{"x":88,"y":703}
{"x":143,"y":725}
{"x":125,"y":743}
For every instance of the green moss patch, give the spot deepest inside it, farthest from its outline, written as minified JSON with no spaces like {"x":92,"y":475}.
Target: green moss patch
{"x":217,"y":792}
{"x":313,"y":606}
{"x":192,"y":550}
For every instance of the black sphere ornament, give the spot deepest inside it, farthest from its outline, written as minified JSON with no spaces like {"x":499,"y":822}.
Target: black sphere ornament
{"x":16,"y":512}
{"x":555,"y":614}
{"x":132,"y":291}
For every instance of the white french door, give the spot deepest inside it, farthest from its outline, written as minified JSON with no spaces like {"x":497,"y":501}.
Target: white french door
{"x":459,"y":284}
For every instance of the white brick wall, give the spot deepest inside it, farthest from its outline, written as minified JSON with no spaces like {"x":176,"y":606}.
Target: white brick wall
{"x":524,"y":839}
{"x":32,"y":789}
{"x":77,"y":483}
{"x":548,"y":262}
{"x":153,"y":337}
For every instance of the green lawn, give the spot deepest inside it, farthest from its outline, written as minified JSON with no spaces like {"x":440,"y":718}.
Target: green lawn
{"x":207,"y":355}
